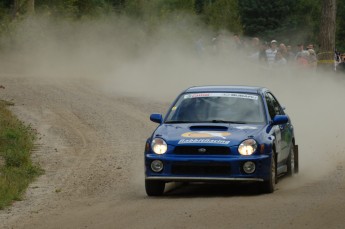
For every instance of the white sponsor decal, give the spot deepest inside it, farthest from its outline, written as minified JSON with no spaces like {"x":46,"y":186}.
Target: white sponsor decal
{"x":246,"y":127}
{"x":206,"y":134}
{"x":233,"y":95}
{"x":203,"y":141}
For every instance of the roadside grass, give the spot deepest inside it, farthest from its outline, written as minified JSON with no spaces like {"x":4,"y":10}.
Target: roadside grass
{"x":16,"y":168}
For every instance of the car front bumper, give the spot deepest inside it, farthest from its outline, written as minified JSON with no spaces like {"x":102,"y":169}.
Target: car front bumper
{"x":208,"y":168}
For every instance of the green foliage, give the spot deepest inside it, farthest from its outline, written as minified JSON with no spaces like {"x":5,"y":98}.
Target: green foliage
{"x":158,"y":9}
{"x":291,"y":21}
{"x":16,"y":168}
{"x":223,"y":14}
{"x":134,"y":8}
{"x":340,"y":39}
{"x":14,"y":181}
{"x":159,"y":12}
{"x":90,"y":7}
{"x":4,"y":16}
{"x":305,"y":21}
{"x":260,"y":16}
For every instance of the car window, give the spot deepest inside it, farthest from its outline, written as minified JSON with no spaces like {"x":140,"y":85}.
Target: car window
{"x":273,"y":106}
{"x":217,"y":107}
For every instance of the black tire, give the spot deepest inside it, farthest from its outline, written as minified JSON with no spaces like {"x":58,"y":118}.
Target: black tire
{"x":268,"y":186}
{"x":154,"y":187}
{"x":296,"y":159}
{"x":290,"y":162}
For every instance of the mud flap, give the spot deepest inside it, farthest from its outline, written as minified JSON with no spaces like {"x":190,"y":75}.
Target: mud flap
{"x":296,"y":158}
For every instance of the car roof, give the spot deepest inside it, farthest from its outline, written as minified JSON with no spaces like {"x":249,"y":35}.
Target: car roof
{"x":228,"y":88}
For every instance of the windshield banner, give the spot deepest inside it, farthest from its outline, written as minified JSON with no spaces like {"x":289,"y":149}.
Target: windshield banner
{"x":233,"y":95}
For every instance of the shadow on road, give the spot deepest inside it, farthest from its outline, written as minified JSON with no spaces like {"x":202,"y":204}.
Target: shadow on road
{"x":212,"y":190}
{"x":215,"y":189}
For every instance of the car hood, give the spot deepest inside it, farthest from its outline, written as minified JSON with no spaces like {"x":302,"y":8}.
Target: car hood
{"x":207,"y":134}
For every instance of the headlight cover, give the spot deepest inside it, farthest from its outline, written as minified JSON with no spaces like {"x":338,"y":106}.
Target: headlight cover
{"x":247,"y":147}
{"x":159,"y":146}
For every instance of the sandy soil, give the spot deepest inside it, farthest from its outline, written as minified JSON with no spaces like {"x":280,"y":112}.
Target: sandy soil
{"x":91,"y":147}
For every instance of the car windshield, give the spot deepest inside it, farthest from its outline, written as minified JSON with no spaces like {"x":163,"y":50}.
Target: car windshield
{"x":217,"y":108}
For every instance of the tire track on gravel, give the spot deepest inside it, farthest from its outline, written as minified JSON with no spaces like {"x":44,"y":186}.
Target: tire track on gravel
{"x":87,"y":149}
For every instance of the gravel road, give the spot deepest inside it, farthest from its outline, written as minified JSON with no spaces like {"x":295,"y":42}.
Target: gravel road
{"x":91,"y":146}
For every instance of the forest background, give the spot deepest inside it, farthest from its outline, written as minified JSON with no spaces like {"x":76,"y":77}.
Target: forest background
{"x":290,"y":22}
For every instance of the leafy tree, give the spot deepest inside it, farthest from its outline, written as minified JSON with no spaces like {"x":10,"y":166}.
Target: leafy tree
{"x":292,"y":22}
{"x":118,"y":5}
{"x":340,"y":37}
{"x":199,"y":6}
{"x":305,"y":21}
{"x":90,"y":7}
{"x":4,"y":15}
{"x":260,"y":16}
{"x":158,"y":8}
{"x":222,"y":14}
{"x":58,"y":8}
{"x":30,"y":6}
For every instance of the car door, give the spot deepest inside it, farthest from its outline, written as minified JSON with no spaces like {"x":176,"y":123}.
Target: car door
{"x":280,"y":131}
{"x":285,"y":129}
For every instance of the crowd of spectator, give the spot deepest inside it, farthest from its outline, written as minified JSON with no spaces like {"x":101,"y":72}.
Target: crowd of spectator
{"x":279,"y":54}
{"x":274,"y":54}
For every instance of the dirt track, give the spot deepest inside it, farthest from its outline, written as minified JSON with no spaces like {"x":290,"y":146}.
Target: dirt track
{"x":91,"y":147}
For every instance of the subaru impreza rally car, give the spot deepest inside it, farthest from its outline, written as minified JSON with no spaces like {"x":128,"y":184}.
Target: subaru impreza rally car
{"x":221,"y":133}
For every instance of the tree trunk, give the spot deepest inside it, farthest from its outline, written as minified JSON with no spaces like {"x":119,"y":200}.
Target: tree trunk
{"x":327,"y":35}
{"x":30,"y":6}
{"x":15,"y":9}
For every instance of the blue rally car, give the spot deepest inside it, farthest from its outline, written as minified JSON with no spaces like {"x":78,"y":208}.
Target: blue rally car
{"x":221,"y":133}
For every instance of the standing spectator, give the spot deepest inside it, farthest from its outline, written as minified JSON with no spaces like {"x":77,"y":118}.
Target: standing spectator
{"x":280,"y":59}
{"x":312,"y":58}
{"x":254,"y":51}
{"x":238,"y":42}
{"x":262,"y":53}
{"x":310,"y":46}
{"x":283,"y":50}
{"x":271,"y":52}
{"x":337,"y":59}
{"x":255,"y":41}
{"x":303,"y":59}
{"x":300,"y":49}
{"x":341,"y":64}
{"x":291,"y":55}
{"x":221,"y":44}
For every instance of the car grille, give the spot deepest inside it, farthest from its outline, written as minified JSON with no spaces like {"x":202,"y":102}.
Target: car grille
{"x":202,"y":150}
{"x":200,"y":169}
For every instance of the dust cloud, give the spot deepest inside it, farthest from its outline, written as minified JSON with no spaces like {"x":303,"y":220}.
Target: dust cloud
{"x":129,"y":58}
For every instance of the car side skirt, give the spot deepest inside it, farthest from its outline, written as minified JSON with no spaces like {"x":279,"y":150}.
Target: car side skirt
{"x":202,"y":179}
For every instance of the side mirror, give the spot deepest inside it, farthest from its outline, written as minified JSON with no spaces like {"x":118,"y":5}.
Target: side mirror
{"x":158,"y":118}
{"x":280,"y":119}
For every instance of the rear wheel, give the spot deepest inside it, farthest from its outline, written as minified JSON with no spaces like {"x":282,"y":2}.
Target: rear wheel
{"x":154,"y":187}
{"x":268,"y":185}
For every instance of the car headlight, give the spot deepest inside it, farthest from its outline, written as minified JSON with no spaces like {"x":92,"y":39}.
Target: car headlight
{"x":247,"y":147}
{"x":159,"y":146}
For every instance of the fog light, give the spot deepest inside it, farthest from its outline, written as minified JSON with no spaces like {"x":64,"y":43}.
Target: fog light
{"x":249,"y":167}
{"x":157,"y":166}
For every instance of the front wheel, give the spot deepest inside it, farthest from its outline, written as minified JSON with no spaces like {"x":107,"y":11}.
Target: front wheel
{"x":268,"y":185}
{"x":154,"y":187}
